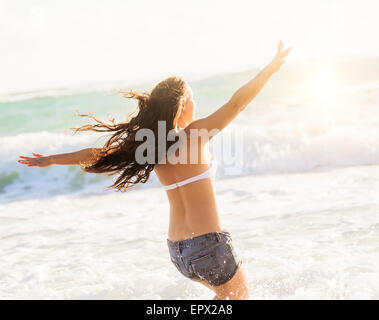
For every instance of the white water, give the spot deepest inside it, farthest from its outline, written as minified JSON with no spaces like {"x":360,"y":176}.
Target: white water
{"x":301,"y":236}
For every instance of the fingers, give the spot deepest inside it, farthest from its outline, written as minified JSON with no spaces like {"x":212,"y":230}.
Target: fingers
{"x":287,"y":51}
{"x":29,"y":164}
{"x":27,"y":160}
{"x":37,"y":154}
{"x":24,"y":161}
{"x":280,"y":46}
{"x":38,"y":160}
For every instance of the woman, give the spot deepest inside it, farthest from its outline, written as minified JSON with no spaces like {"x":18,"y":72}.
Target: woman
{"x":199,"y":247}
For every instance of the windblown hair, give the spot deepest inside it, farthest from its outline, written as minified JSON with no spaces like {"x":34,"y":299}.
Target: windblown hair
{"x":117,"y":155}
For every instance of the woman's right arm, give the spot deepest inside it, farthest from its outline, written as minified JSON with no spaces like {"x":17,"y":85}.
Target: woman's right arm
{"x":241,"y":98}
{"x":72,"y":158}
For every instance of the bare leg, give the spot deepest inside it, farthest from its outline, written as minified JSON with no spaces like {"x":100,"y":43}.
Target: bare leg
{"x":235,"y":289}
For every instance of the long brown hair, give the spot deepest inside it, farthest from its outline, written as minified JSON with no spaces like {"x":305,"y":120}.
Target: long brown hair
{"x":117,"y":155}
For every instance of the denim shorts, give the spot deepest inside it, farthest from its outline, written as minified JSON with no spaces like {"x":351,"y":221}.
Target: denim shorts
{"x":209,"y":257}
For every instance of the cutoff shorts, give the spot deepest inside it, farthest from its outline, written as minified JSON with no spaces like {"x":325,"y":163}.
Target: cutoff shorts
{"x":209,"y":257}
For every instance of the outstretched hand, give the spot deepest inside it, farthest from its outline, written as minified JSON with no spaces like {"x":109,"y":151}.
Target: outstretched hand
{"x":278,"y":60}
{"x":39,"y":160}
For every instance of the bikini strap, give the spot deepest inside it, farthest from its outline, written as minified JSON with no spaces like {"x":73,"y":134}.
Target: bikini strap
{"x":204,"y":175}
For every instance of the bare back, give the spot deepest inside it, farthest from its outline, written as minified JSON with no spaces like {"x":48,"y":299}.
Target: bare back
{"x":193,"y":208}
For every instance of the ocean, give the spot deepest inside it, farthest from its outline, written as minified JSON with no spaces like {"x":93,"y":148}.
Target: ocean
{"x":300,"y":197}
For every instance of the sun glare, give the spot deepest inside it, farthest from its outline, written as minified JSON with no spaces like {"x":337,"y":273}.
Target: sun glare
{"x":324,"y":85}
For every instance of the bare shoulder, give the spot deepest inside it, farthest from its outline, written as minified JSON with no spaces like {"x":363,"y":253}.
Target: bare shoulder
{"x":196,"y":131}
{"x":214,"y":122}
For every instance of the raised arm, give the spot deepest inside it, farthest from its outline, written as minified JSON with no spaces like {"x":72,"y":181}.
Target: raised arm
{"x":72,"y":158}
{"x":241,"y":98}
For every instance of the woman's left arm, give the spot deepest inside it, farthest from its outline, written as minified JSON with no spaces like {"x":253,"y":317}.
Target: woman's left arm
{"x":86,"y":155}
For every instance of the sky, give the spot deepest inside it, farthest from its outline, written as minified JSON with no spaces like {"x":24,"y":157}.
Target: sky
{"x":48,"y":44}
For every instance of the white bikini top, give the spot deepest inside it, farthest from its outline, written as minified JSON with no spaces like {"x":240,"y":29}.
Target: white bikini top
{"x":210,"y":172}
